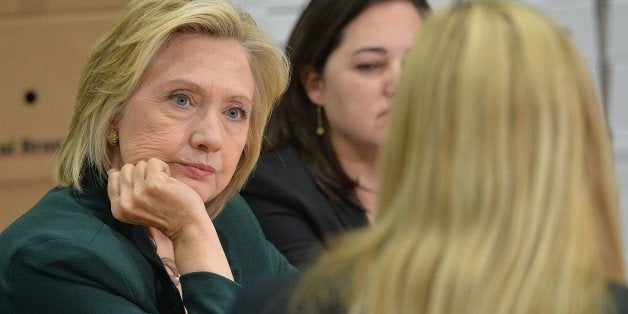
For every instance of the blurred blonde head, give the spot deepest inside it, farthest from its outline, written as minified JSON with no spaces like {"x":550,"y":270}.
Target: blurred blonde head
{"x":498,"y":191}
{"x":119,"y":59}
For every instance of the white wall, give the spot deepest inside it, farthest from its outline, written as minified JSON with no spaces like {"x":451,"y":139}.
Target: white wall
{"x":276,"y":16}
{"x":578,"y":16}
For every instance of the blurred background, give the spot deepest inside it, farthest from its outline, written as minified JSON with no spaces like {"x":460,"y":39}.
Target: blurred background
{"x":43,"y":44}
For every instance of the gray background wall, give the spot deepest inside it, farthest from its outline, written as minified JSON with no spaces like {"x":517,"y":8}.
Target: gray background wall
{"x":578,"y":16}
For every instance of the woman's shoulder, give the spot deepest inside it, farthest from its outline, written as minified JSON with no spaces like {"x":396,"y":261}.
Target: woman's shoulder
{"x":61,"y":218}
{"x":281,"y":174}
{"x":284,"y":158}
{"x":58,"y":212}
{"x":71,"y":229}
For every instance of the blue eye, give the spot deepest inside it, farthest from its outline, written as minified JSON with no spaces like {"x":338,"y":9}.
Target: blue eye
{"x":180,"y":100}
{"x":236,"y":113}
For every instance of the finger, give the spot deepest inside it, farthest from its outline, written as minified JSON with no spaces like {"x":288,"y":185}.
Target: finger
{"x":113,"y":190}
{"x":113,"y":183}
{"x":126,"y":176}
{"x":126,"y":186}
{"x":139,"y":176}
{"x":157,"y":170}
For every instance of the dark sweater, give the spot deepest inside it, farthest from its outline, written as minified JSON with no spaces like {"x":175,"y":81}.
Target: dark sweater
{"x":295,"y":215}
{"x":69,"y":255}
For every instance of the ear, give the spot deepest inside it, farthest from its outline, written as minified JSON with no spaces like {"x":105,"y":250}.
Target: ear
{"x":313,"y":84}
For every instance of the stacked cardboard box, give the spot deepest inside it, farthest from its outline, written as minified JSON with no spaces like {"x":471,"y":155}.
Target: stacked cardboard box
{"x":43,"y":46}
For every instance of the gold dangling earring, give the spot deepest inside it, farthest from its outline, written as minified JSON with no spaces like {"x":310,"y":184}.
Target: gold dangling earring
{"x":320,"y":130}
{"x":112,"y":137}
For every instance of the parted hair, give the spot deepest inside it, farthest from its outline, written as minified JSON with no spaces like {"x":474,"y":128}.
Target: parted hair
{"x":317,"y":33}
{"x":119,"y":59}
{"x":498,"y":191}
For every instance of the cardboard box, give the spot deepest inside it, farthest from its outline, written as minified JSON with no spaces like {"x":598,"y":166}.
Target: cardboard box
{"x":42,"y":56}
{"x":22,"y":7}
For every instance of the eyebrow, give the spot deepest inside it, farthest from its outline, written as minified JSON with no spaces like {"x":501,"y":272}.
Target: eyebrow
{"x":244,"y":100}
{"x":370,"y":49}
{"x":196,"y":88}
{"x":192,"y":86}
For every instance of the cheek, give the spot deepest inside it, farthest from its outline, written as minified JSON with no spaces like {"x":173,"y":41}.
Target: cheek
{"x":147,"y":141}
{"x":232,"y":150}
{"x":344,"y":105}
{"x":351,"y":93}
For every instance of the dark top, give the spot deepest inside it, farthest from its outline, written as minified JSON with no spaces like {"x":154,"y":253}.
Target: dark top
{"x":295,"y":215}
{"x":69,"y":255}
{"x":272,"y":296}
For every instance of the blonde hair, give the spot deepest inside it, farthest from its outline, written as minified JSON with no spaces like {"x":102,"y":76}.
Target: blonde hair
{"x":119,"y":59}
{"x":498,"y":192}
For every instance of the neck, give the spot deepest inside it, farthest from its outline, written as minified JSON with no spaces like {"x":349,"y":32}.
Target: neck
{"x":358,"y":161}
{"x":362,"y":171}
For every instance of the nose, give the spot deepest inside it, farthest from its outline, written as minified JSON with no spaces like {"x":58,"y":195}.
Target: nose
{"x":394,"y":70}
{"x":207,"y":133}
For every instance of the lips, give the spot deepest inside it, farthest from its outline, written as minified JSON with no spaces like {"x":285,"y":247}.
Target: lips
{"x":198,"y":170}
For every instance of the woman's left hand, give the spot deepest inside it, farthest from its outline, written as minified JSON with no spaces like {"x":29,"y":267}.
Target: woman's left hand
{"x":145,"y":194}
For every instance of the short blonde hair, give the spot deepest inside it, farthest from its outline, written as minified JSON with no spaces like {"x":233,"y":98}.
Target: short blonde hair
{"x":119,"y":59}
{"x":498,"y":192}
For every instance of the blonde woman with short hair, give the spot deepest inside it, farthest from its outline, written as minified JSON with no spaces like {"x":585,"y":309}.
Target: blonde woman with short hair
{"x":498,"y":191}
{"x":168,"y":123}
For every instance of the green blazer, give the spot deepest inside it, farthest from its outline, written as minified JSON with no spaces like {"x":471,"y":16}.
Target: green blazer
{"x":68,"y":254}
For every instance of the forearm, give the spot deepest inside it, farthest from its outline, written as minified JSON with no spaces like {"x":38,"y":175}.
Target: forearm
{"x":197,"y":248}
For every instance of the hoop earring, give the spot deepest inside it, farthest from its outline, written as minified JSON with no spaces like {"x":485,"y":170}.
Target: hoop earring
{"x":112,"y":137}
{"x":320,"y":130}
